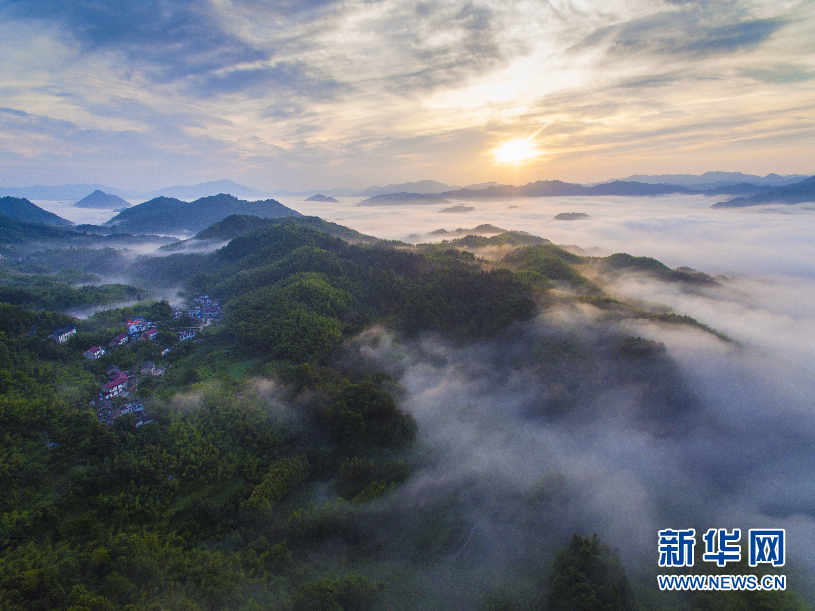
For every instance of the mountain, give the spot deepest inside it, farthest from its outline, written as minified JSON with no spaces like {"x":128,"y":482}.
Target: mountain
{"x":484,"y":229}
{"x":169,"y":215}
{"x":396,"y":199}
{"x":34,"y":235}
{"x":13,"y":231}
{"x":571,"y":216}
{"x":635,"y":189}
{"x":712,"y":180}
{"x":58,"y":192}
{"x":422,"y":186}
{"x":23,"y":210}
{"x":322,"y":198}
{"x":482,"y":185}
{"x":206,"y":189}
{"x":557,"y":188}
{"x":100,"y":199}
{"x":457,"y":209}
{"x":798,"y":193}
{"x":743,"y":188}
{"x":237,"y":225}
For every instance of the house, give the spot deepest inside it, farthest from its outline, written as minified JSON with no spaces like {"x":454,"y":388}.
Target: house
{"x":63,"y":335}
{"x":114,"y":388}
{"x":136,"y":325}
{"x":133,"y":407}
{"x":188,"y":334}
{"x":211,"y":311}
{"x":94,"y":352}
{"x":111,"y":370}
{"x":166,"y":351}
{"x":119,"y":340}
{"x":119,"y":376}
{"x":150,"y":334}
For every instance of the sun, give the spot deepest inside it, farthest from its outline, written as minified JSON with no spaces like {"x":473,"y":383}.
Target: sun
{"x":516,"y":151}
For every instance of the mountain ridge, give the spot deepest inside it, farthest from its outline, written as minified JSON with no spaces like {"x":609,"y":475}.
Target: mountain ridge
{"x":100,"y":199}
{"x":797,"y":193}
{"x":21,"y":209}
{"x":169,"y":215}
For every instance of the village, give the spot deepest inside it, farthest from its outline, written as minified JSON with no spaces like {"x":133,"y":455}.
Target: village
{"x":116,"y":396}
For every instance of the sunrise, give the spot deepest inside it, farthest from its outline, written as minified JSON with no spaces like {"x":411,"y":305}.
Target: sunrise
{"x":407,"y":305}
{"x":399,"y":91}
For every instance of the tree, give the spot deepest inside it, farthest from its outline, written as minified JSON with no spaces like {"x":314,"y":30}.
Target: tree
{"x":588,"y":576}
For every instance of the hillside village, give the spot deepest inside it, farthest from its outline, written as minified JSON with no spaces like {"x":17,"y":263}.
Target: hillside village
{"x":116,"y":395}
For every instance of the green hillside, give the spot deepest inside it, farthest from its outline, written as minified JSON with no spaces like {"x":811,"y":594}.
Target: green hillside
{"x":165,"y":215}
{"x":280,"y":467}
{"x":21,"y":209}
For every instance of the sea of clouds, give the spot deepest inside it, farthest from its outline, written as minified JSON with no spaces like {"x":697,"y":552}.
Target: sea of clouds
{"x":734,"y":449}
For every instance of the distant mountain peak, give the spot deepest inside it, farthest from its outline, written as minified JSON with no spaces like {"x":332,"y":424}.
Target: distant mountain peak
{"x":207,"y":189}
{"x":797,"y":193}
{"x":322,"y":198}
{"x":421,"y":187}
{"x":100,"y":199}
{"x":168,"y":215}
{"x":715,"y":179}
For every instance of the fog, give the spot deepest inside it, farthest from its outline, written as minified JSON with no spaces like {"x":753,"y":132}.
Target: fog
{"x":716,"y":434}
{"x":548,"y":431}
{"x":79,"y":216}
{"x":676,"y":229}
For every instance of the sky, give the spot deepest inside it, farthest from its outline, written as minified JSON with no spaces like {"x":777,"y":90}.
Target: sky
{"x":320,"y":94}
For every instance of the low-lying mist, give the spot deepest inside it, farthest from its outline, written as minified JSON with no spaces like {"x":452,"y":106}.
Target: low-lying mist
{"x":562,"y":425}
{"x":550,"y":430}
{"x":558,"y":427}
{"x":679,"y":230}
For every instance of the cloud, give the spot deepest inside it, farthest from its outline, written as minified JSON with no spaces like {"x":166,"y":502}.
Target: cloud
{"x":730,"y":38}
{"x":781,"y":74}
{"x":691,"y":32}
{"x":175,"y":39}
{"x":283,"y":79}
{"x":351,"y":88}
{"x":550,"y":429}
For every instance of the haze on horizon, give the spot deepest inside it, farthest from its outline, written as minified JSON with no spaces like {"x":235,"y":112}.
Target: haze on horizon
{"x":320,"y":94}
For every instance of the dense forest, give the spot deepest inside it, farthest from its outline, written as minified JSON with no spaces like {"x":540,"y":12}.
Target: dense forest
{"x":269,"y":475}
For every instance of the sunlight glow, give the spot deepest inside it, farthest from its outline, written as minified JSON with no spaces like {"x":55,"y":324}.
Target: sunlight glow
{"x":516,"y":151}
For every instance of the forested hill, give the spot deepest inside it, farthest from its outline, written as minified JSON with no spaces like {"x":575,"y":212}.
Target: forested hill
{"x":100,"y":199}
{"x":297,"y":293}
{"x":28,"y":235}
{"x":236,"y":224}
{"x":279,"y":467}
{"x":170,"y":215}
{"x":797,"y":193}
{"x":21,"y":209}
{"x":13,"y":231}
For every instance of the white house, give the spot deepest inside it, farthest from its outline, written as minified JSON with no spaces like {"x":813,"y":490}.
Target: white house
{"x":63,"y":335}
{"x":94,"y":352}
